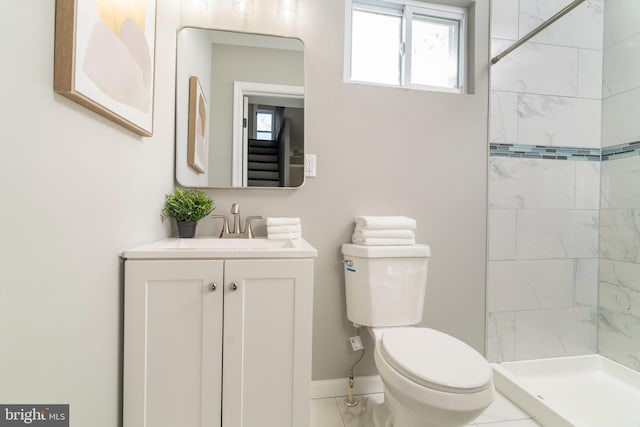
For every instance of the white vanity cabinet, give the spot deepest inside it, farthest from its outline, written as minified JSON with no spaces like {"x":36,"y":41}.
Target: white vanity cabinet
{"x":217,"y":342}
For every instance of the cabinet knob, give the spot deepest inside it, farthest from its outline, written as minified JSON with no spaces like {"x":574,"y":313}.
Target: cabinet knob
{"x":234,"y":286}
{"x":212,"y":286}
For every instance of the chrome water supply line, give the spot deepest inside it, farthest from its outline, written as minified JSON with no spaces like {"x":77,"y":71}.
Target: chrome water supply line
{"x":356,"y":345}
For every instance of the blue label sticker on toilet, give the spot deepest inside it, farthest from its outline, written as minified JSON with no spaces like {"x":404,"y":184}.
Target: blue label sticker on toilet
{"x":353,"y":270}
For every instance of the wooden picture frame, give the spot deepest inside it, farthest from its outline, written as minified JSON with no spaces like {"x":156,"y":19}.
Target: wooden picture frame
{"x":198,"y":127}
{"x":105,"y":58}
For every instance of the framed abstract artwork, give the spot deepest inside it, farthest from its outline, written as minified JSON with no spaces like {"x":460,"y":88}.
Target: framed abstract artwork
{"x":105,"y":58}
{"x":197,"y":138}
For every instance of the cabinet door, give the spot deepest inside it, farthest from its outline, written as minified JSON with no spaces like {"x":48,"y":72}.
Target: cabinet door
{"x":172,"y":339}
{"x":267,"y":343}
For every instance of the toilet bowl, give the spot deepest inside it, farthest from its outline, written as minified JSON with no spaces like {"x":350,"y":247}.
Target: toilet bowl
{"x":430,"y":379}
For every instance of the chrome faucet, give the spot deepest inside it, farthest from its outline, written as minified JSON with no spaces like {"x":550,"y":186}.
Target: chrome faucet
{"x":236,"y":233}
{"x":235,"y":213}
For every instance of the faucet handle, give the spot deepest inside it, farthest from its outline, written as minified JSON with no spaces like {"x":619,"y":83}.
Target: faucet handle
{"x":225,"y":224}
{"x":247,"y":226}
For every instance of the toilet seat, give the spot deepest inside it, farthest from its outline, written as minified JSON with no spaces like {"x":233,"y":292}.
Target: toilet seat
{"x":435,"y":360}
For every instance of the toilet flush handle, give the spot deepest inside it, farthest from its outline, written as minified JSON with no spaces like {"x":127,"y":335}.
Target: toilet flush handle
{"x":348,"y":265}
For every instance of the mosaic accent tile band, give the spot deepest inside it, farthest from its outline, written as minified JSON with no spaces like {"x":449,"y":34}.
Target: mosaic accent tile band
{"x":544,"y":152}
{"x":621,"y":151}
{"x":630,"y":149}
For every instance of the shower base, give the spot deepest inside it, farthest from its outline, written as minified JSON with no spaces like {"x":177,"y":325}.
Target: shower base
{"x":581,"y":391}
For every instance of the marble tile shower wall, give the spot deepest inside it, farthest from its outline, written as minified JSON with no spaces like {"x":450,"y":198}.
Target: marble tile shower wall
{"x":619,"y":305}
{"x":542,"y":275}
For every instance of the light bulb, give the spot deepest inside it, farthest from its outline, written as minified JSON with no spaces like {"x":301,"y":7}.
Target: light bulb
{"x":243,"y":7}
{"x":288,"y":9}
{"x":195,"y":5}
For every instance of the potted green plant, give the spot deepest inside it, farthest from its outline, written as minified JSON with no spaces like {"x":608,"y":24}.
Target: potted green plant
{"x":187,"y":207}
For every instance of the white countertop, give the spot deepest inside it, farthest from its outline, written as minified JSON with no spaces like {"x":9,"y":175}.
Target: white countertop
{"x":214,"y":248}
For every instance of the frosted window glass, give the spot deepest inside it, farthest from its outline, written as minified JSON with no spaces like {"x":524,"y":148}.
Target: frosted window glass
{"x":434,"y":60}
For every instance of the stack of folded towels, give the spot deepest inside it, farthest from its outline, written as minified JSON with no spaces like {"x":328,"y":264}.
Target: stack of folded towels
{"x":284,"y":228}
{"x":384,"y":230}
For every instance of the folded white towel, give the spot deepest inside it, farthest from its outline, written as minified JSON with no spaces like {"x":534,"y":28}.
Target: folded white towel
{"x":386,"y":222}
{"x":382,"y":241}
{"x":401,"y":233}
{"x":284,"y":228}
{"x":282,"y":221}
{"x":284,"y":236}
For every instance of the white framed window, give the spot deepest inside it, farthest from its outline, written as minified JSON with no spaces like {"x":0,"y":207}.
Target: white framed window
{"x":264,"y":125}
{"x":406,"y":44}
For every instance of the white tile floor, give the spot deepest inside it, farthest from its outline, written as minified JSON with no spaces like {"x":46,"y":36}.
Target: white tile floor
{"x":332,"y":412}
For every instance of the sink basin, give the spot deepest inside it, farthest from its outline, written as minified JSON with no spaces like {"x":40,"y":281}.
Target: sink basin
{"x":208,"y":248}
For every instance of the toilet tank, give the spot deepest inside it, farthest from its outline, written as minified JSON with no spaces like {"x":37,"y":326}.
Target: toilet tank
{"x":385,"y":285}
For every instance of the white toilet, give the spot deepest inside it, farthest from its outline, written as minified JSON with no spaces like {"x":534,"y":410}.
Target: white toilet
{"x":430,"y":379}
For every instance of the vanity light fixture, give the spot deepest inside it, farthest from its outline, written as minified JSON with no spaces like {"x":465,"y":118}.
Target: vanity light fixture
{"x":243,"y":8}
{"x":288,"y":9}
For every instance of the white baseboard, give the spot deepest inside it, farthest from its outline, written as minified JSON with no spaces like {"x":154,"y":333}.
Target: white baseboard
{"x":321,"y":389}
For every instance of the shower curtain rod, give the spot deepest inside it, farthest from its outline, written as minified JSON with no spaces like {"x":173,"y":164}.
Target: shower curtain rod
{"x":536,"y":30}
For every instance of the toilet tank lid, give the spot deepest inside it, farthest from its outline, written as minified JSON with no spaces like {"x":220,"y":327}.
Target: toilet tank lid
{"x":408,"y":251}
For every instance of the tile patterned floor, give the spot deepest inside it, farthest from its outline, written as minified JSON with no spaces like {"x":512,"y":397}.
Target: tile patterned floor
{"x":332,"y":412}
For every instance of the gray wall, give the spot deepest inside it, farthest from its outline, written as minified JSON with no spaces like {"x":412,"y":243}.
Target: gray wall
{"x":76,"y":189}
{"x":381,"y":151}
